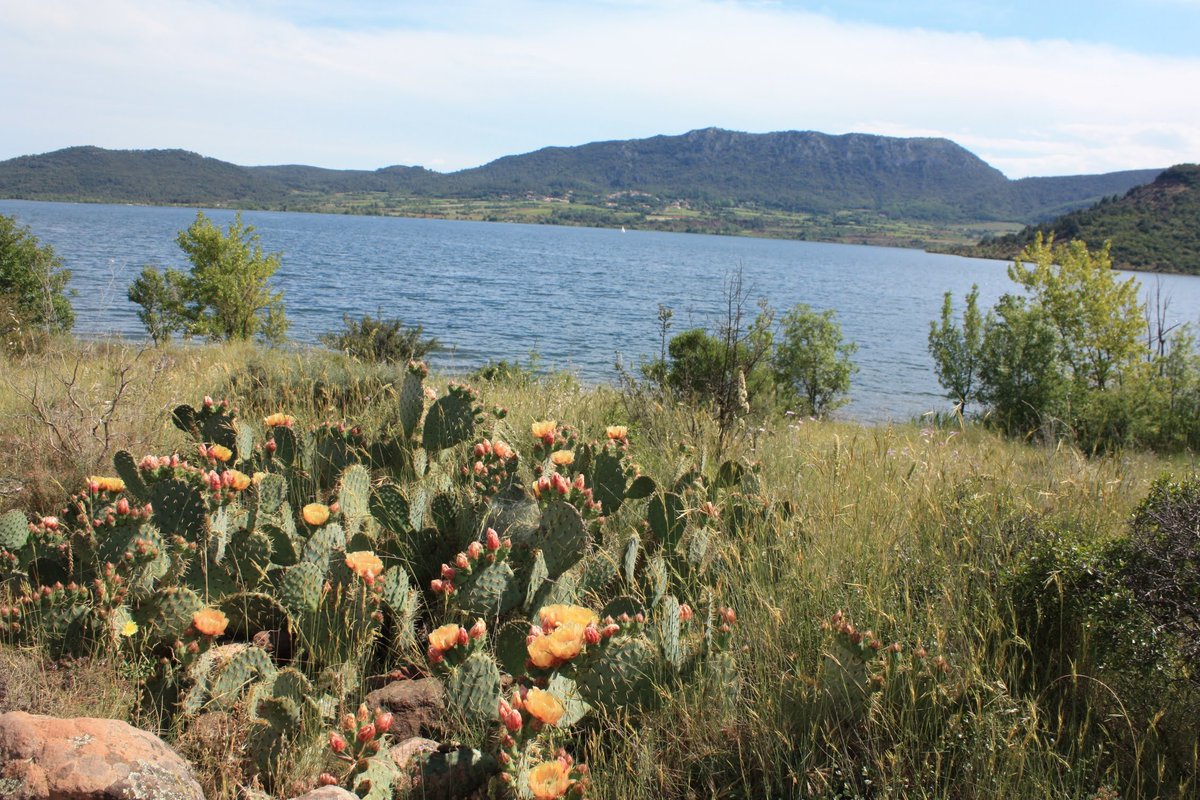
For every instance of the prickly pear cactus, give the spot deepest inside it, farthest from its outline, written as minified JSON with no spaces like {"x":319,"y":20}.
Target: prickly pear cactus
{"x":412,"y":397}
{"x":178,"y":510}
{"x":221,"y":675}
{"x":618,"y":674}
{"x":473,"y":688}
{"x":562,"y":537}
{"x":127,"y":469}
{"x":354,"y":494}
{"x":667,"y":521}
{"x":164,"y":617}
{"x":451,"y":419}
{"x":488,"y":592}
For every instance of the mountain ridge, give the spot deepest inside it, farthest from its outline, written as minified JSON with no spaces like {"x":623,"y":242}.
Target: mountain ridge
{"x":710,"y":172}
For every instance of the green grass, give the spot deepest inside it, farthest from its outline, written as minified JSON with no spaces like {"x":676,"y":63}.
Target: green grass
{"x":919,"y":535}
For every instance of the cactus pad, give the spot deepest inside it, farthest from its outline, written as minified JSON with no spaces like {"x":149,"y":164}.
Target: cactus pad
{"x":450,"y":420}
{"x":489,"y":592}
{"x":179,"y":510}
{"x":127,"y":470}
{"x":473,"y":688}
{"x":562,"y":537}
{"x":620,"y":674}
{"x":14,"y":530}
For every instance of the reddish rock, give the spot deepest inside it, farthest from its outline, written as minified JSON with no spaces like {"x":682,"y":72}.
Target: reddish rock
{"x":418,"y":706}
{"x":47,"y":758}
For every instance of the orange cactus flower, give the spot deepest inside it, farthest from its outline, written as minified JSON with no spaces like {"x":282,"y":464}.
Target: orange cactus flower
{"x":502,"y":450}
{"x":210,"y":621}
{"x":544,"y":706}
{"x":553,"y":616}
{"x":541,"y":430}
{"x":365,"y":564}
{"x":444,"y":638}
{"x":220,"y":452}
{"x":566,"y":641}
{"x":563,"y":458}
{"x":549,"y":780}
{"x":112,"y":485}
{"x":539,"y":653}
{"x":616,"y":431}
{"x":240,"y":480}
{"x":315,"y":514}
{"x":279,"y":421}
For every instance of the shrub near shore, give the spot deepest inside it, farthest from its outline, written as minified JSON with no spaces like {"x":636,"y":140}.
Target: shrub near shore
{"x":893,"y":587}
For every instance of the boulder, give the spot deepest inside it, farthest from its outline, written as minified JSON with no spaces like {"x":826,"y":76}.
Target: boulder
{"x":328,"y":793}
{"x":418,"y":706}
{"x":45,"y":758}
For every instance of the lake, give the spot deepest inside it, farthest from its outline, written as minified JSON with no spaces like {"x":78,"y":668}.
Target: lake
{"x":580,"y":297}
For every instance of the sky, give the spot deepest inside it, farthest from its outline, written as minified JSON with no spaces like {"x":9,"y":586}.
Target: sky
{"x":1033,"y":88}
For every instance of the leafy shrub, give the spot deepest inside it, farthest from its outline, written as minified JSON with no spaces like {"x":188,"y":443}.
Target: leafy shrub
{"x":33,"y":288}
{"x":380,"y":339}
{"x":1163,"y":568}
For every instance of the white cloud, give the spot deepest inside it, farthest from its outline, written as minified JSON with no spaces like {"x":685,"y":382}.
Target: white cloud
{"x":480,"y":81}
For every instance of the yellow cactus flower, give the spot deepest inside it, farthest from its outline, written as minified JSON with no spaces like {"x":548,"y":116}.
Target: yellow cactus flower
{"x":210,"y":621}
{"x":544,"y":706}
{"x":220,"y":452}
{"x":549,"y":780}
{"x":279,"y":421}
{"x":554,"y":615}
{"x":365,"y":564}
{"x":315,"y":514}
{"x":112,"y":485}
{"x":240,"y":481}
{"x":616,"y":431}
{"x":129,"y":629}
{"x":444,"y":638}
{"x":541,"y":430}
{"x":563,"y":458}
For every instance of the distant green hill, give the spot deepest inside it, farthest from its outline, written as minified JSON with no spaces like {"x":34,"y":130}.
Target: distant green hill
{"x":1153,"y":227}
{"x":709,"y":173}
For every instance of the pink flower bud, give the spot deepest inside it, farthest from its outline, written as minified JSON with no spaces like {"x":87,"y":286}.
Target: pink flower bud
{"x":730,"y":615}
{"x":122,"y":506}
{"x":326,"y":780}
{"x":478,"y":630}
{"x":336,"y":742}
{"x":462,"y":562}
{"x":513,"y":720}
{"x":685,"y":613}
{"x":383,"y":721}
{"x":474,"y":550}
{"x":480,"y":451}
{"x":610,"y":630}
{"x":366,"y":733}
{"x":579,"y":481}
{"x":50,"y":523}
{"x":463,"y":636}
{"x":363,"y":713}
{"x":493,"y":540}
{"x":447,"y":572}
{"x":270,"y":446}
{"x":208,"y":402}
{"x":591,"y":634}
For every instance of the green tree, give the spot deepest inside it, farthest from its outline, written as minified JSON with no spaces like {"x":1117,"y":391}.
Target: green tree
{"x":1099,"y":320}
{"x":33,"y":283}
{"x":225,"y":296}
{"x":160,"y":297}
{"x":957,"y":351}
{"x":812,"y":363}
{"x":1021,"y":376}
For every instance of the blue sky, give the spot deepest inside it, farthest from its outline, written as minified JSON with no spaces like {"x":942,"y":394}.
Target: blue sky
{"x":1033,"y":88}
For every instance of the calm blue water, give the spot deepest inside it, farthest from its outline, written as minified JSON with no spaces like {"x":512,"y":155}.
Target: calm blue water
{"x":580,"y":297}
